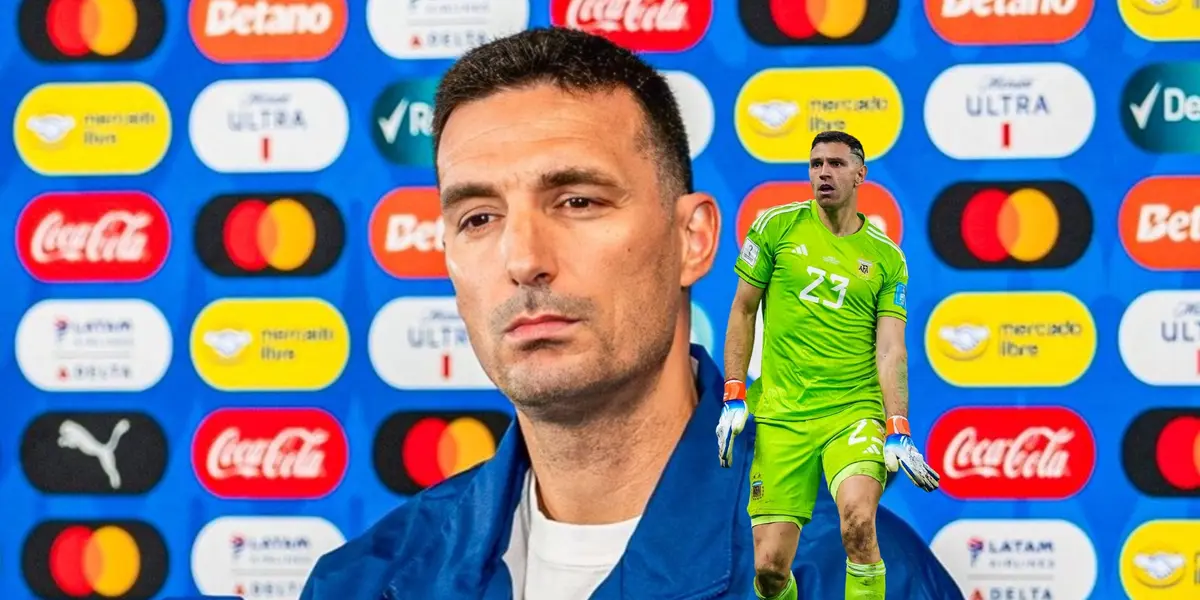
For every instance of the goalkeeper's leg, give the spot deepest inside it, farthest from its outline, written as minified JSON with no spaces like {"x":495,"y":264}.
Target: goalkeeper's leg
{"x":853,"y":461}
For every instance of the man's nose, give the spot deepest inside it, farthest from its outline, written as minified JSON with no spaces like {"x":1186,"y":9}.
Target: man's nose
{"x":527,"y":248}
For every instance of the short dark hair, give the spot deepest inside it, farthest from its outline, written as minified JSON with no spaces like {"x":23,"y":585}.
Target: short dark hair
{"x":578,"y":62}
{"x":841,"y":137}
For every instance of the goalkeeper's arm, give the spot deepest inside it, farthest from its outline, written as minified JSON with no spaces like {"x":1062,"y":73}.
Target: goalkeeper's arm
{"x":739,"y":334}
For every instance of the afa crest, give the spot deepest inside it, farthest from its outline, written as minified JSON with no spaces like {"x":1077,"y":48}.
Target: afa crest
{"x":864,"y":267}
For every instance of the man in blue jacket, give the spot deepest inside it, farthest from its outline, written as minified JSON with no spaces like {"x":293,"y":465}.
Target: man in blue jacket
{"x":573,"y":237}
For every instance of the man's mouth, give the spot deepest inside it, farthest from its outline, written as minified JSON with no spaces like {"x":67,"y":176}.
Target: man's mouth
{"x":531,"y":327}
{"x":825,"y":187}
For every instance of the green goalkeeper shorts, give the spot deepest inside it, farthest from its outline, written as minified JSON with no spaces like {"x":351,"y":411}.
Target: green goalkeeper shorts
{"x":789,"y":457}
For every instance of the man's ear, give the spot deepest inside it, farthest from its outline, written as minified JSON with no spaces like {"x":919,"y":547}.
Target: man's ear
{"x":698,"y":219}
{"x":861,"y":176}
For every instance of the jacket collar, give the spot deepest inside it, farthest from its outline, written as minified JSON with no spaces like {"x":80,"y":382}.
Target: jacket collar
{"x":692,"y":512}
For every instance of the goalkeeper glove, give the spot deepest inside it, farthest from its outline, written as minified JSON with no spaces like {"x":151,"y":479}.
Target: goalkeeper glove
{"x":899,"y":452}
{"x":733,"y":419}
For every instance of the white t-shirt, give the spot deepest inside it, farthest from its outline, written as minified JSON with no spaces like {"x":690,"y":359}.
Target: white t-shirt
{"x":556,"y":561}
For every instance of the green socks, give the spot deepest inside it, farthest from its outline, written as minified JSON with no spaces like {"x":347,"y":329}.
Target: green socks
{"x":788,"y":593}
{"x":864,"y":582}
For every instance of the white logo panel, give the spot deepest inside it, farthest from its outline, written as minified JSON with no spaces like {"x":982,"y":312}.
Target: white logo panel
{"x":439,"y":29}
{"x":420,"y":343}
{"x":1035,"y":110}
{"x":696,"y":107}
{"x":269,"y":125}
{"x":93,"y":345}
{"x":1018,"y":558}
{"x":260,"y":558}
{"x":1159,"y":337}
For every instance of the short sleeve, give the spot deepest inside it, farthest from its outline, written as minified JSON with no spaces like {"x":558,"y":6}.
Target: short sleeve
{"x":757,"y":258}
{"x":893,"y":297}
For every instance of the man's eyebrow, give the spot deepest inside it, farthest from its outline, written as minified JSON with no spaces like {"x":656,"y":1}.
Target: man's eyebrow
{"x":457,"y":193}
{"x":569,"y":176}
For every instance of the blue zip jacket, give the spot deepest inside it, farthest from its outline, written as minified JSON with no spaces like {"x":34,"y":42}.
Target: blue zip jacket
{"x":692,"y":543}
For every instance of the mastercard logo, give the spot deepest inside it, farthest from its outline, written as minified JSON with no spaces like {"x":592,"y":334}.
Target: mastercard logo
{"x":91,"y":30}
{"x":1012,"y":225}
{"x":875,"y":202}
{"x":299,"y":234}
{"x":414,"y":451}
{"x":1161,"y":452}
{"x":94,"y":560}
{"x":816,"y":22}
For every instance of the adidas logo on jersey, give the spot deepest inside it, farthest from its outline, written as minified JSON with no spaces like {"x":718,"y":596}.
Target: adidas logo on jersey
{"x":802,"y":250}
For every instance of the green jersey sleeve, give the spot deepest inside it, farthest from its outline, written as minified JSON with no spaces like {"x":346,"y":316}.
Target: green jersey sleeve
{"x":893,"y":296}
{"x":757,"y":258}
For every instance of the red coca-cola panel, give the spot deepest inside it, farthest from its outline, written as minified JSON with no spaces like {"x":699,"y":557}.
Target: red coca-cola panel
{"x":93,"y":237}
{"x":640,"y":25}
{"x":270,"y":453}
{"x":1012,"y":453}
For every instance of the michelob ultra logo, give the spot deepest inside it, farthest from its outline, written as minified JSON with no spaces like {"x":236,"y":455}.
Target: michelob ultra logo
{"x":1158,"y":561}
{"x":1162,"y":20}
{"x":1160,"y":108}
{"x":779,"y":111}
{"x":242,"y":344}
{"x":117,"y":128}
{"x":1011,"y":339}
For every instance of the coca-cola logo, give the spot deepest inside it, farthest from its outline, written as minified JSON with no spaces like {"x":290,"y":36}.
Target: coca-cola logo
{"x":270,"y":453}
{"x":1012,"y":453}
{"x":640,"y":25}
{"x":93,"y":237}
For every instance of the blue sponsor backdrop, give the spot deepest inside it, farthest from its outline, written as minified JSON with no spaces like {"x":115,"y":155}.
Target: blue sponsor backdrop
{"x":1107,"y":166}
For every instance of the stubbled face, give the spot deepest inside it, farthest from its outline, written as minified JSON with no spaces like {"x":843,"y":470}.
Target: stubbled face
{"x":559,"y":245}
{"x":835,"y":174}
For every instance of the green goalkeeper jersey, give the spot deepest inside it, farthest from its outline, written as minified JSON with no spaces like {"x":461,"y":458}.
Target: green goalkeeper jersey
{"x":824,"y":295}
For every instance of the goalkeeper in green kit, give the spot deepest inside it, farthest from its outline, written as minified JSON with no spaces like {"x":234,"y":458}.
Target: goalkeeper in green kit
{"x":832,"y":397}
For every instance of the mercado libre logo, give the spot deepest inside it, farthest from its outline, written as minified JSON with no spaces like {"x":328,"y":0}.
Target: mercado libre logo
{"x":260,"y":344}
{"x":874,"y":201}
{"x":91,"y":30}
{"x":1010,"y":339}
{"x":1159,"y":560}
{"x":1160,"y":108}
{"x":415,"y":450}
{"x":817,"y":22}
{"x":112,"y":128}
{"x":1010,"y":225}
{"x":1161,"y":452}
{"x":269,"y":234}
{"x":118,"y":559}
{"x":1162,"y":20}
{"x":779,"y":111}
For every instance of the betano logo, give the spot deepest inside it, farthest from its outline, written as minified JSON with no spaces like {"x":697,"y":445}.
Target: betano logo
{"x":1160,"y":223}
{"x":1162,"y":20}
{"x":874,"y":202}
{"x":1158,"y":560}
{"x":258,"y":344}
{"x":1010,"y":225}
{"x":432,"y":447}
{"x":1010,"y":339}
{"x":114,"y":128}
{"x":406,"y":233}
{"x":998,"y":22}
{"x":120,"y":559}
{"x":241,"y":31}
{"x":91,"y":30}
{"x":1161,"y":452}
{"x":1160,"y":108}
{"x":269,"y":234}
{"x":779,"y":111}
{"x":817,"y":22}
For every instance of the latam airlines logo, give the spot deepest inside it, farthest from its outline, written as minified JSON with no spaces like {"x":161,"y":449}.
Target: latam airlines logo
{"x":1036,"y":110}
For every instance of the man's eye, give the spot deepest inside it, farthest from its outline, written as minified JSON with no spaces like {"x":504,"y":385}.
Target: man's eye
{"x":475,"y":221}
{"x":578,"y":202}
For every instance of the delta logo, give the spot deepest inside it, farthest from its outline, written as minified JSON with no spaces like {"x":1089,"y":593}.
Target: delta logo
{"x":1159,"y":560}
{"x":94,"y":237}
{"x":1012,"y":453}
{"x":416,"y":450}
{"x":639,"y":25}
{"x":1159,"y":222}
{"x":93,"y":559}
{"x":256,"y":31}
{"x":407,"y":232}
{"x":1160,"y":108}
{"x":1010,"y":225}
{"x":296,"y":234}
{"x":1003,"y":22}
{"x":270,"y":453}
{"x":431,"y":30}
{"x":874,"y":201}
{"x":817,"y":22}
{"x":1161,"y":452}
{"x":56,"y":31}
{"x":1162,"y":20}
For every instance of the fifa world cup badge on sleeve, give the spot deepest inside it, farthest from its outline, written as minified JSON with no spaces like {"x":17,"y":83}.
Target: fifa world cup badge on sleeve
{"x":901,"y":298}
{"x":749,"y":252}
